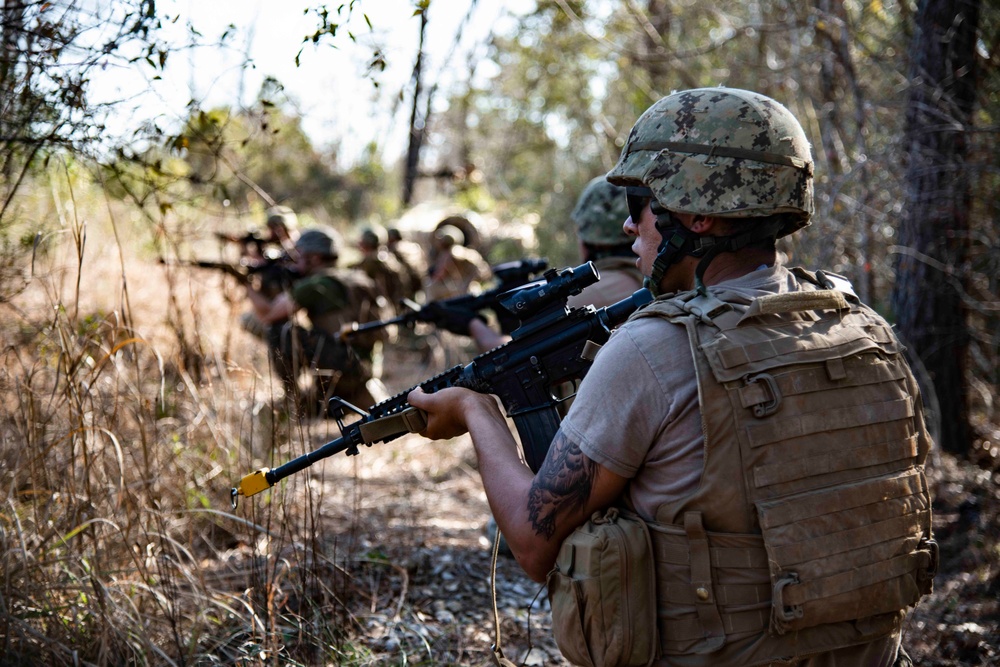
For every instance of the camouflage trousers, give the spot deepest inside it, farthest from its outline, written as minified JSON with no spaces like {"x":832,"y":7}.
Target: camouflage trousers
{"x":335,"y":368}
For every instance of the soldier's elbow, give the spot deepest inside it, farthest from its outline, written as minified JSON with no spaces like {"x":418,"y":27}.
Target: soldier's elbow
{"x":536,"y":562}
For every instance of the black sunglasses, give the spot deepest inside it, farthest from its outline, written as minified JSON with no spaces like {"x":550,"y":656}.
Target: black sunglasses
{"x":638,"y":199}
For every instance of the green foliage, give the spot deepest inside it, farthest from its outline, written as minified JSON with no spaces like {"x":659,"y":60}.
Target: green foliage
{"x":50,"y":51}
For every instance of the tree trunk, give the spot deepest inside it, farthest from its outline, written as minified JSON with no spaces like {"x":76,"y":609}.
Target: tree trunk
{"x":933,"y":237}
{"x":417,"y":124}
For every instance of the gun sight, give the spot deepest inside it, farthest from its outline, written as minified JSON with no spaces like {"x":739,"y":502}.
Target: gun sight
{"x":518,"y":271}
{"x":529,"y":300}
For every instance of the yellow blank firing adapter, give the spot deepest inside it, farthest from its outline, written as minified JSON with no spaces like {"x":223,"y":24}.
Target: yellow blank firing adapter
{"x":251,"y":484}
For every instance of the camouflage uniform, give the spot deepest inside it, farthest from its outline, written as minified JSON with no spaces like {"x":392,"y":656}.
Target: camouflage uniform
{"x":382,"y":267}
{"x":411,"y":258}
{"x":331,"y":298}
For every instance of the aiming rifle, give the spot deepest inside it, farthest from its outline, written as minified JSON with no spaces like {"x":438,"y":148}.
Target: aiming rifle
{"x":251,"y":239}
{"x":509,"y":276}
{"x":554,"y":344}
{"x":270,"y":275}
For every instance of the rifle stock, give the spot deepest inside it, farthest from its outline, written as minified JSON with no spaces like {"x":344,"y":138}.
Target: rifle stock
{"x":556,"y":344}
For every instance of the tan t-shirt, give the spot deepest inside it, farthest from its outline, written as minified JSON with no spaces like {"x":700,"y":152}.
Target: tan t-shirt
{"x":615,"y":284}
{"x":637,"y":411}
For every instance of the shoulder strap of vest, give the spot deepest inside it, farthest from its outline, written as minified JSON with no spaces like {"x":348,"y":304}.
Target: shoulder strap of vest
{"x":825,"y":280}
{"x":724,"y":311}
{"x":794,"y":302}
{"x":706,"y":308}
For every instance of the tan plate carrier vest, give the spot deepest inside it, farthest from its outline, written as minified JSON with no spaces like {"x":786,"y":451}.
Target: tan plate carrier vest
{"x":813,"y":519}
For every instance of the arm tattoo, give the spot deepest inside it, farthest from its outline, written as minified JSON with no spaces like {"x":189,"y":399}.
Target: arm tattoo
{"x":564,"y":481}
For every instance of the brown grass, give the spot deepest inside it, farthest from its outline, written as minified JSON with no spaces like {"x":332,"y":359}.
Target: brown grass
{"x":132,"y":403}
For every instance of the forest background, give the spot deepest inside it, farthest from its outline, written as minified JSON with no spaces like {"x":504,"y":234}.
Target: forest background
{"x":131,"y":400}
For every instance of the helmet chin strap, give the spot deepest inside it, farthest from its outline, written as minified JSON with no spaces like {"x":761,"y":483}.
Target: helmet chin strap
{"x":679,"y":241}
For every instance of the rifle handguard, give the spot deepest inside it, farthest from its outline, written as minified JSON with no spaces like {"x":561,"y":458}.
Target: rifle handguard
{"x":410,"y":420}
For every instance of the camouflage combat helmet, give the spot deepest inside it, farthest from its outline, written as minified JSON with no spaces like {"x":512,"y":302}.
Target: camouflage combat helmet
{"x":721,"y":152}
{"x":281,"y":215}
{"x":317,"y":241}
{"x":371,"y":237}
{"x":600,"y":213}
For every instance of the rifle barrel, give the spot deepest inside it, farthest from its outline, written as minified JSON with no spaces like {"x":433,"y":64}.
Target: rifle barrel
{"x":480,"y":374}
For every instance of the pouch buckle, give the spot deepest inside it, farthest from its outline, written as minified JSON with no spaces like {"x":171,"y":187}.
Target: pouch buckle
{"x":771,"y":406}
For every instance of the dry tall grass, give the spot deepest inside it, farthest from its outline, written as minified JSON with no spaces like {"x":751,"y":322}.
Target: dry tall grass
{"x":131,"y":404}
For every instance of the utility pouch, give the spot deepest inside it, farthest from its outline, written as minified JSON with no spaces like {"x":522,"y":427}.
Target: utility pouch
{"x":603,"y":593}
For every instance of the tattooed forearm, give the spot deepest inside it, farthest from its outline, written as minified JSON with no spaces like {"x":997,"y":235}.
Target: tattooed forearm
{"x":564,"y":480}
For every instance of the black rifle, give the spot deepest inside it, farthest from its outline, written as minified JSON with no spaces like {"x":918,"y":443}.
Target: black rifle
{"x":270,"y":276}
{"x":554,"y":344}
{"x":250,"y":240}
{"x":509,"y":276}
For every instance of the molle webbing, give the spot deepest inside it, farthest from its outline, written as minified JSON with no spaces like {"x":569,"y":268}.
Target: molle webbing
{"x":827,"y":426}
{"x":710,"y":586}
{"x":809,"y":395}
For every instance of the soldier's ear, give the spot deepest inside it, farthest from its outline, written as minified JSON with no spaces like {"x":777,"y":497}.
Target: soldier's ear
{"x":703,"y":224}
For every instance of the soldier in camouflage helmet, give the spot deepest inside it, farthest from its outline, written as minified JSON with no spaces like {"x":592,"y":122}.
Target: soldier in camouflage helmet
{"x":411,"y":257}
{"x":382,"y":267}
{"x":599,"y":217}
{"x":600,"y":213}
{"x":282,"y":229}
{"x":760,"y":421}
{"x":716,"y":154}
{"x":331,"y":298}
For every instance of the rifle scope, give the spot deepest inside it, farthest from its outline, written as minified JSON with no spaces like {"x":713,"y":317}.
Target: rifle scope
{"x":518,"y":271}
{"x":529,"y":300}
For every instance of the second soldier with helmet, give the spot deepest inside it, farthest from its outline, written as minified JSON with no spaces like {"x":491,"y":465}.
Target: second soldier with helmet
{"x":330,"y":297}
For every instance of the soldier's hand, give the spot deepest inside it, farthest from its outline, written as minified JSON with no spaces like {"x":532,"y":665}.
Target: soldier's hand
{"x":450,"y":410}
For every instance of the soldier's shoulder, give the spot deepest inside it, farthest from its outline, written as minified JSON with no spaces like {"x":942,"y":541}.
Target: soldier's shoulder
{"x":351,"y":276}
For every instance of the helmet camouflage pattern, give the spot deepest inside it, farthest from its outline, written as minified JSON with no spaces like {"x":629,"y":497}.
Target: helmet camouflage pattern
{"x":723,"y":152}
{"x":600,"y":213}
